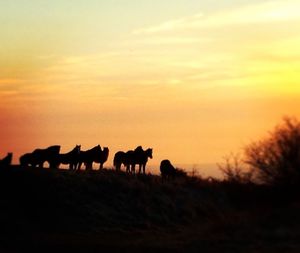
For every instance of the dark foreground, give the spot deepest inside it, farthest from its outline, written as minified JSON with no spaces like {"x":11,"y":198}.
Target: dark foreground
{"x":63,"y":211}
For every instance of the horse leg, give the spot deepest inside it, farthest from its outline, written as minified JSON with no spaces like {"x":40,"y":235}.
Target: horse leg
{"x":52,"y":165}
{"x":144,"y":168}
{"x":133,"y":168}
{"x":128,"y":168}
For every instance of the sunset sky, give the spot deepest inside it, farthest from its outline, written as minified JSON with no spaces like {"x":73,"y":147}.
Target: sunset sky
{"x":194,"y":80}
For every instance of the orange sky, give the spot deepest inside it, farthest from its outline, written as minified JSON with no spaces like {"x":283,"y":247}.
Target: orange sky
{"x":195,"y":82}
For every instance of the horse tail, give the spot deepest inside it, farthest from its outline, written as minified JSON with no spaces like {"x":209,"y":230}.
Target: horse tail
{"x":115,"y":159}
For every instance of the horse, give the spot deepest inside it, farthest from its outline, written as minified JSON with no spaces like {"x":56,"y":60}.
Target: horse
{"x":27,"y":160}
{"x":6,"y":161}
{"x":70,"y":158}
{"x":119,"y":159}
{"x":39,"y":156}
{"x":140,"y":157}
{"x":168,"y":171}
{"x":102,"y":158}
{"x":125,"y":158}
{"x":88,"y":157}
{"x":131,"y":158}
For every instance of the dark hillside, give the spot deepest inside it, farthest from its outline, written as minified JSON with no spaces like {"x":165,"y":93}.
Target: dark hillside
{"x":68,"y":211}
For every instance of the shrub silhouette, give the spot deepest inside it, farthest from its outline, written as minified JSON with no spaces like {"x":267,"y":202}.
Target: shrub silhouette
{"x":235,"y":170}
{"x":276,"y":159}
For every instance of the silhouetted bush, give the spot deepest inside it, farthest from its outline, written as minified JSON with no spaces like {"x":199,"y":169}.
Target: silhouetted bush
{"x":235,"y":170}
{"x":276,"y":158}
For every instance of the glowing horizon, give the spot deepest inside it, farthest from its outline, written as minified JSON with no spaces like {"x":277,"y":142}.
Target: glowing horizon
{"x":193,"y":80}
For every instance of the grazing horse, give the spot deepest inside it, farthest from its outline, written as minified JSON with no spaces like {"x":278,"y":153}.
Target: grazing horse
{"x":70,"y":158}
{"x":88,"y":157}
{"x":6,"y":161}
{"x":102,"y":157}
{"x":39,"y":156}
{"x":167,"y":170}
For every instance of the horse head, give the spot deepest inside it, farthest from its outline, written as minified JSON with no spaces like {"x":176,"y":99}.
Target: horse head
{"x":105,"y":152}
{"x":149,"y":152}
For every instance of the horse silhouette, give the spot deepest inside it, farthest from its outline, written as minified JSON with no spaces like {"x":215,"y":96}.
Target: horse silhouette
{"x":125,"y":158}
{"x":70,"y":158}
{"x":132,"y":158}
{"x":140,"y":157}
{"x":6,"y":161}
{"x":102,"y":157}
{"x":39,"y":156}
{"x":28,"y":159}
{"x":119,"y":159}
{"x":89,"y":156}
{"x":167,"y":170}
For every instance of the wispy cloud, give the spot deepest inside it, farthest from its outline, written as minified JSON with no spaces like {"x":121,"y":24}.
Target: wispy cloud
{"x":172,"y":24}
{"x":172,"y":40}
{"x":266,"y":12}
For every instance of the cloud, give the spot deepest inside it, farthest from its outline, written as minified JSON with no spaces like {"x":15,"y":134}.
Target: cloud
{"x":267,"y":12}
{"x":171,"y":24}
{"x":171,"y":40}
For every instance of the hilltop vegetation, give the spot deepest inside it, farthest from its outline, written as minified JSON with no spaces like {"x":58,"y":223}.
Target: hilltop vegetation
{"x":89,"y":211}
{"x":46,"y":210}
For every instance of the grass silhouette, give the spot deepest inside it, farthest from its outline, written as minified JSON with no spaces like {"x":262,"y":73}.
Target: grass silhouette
{"x":108,"y":211}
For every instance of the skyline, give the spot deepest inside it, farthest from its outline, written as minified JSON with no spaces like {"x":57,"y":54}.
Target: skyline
{"x":194,"y":81}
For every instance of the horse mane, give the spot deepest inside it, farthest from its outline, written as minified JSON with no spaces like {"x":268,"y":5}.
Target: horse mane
{"x":98,"y":147}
